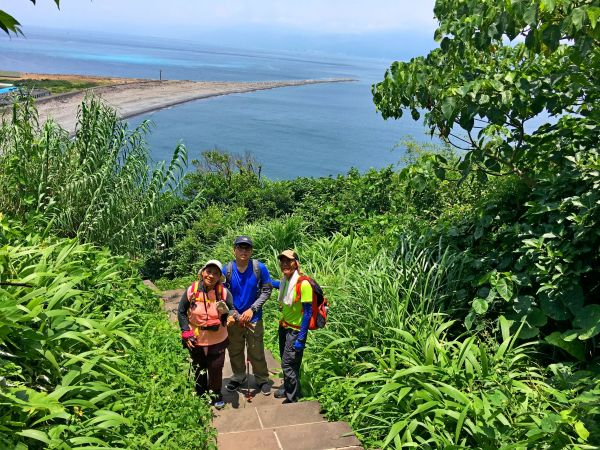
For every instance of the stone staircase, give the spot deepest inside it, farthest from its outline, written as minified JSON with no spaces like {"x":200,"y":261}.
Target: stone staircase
{"x":295,"y":426}
{"x":255,"y":421}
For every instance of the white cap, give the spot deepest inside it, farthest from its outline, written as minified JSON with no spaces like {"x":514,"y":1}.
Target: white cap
{"x":213,"y":262}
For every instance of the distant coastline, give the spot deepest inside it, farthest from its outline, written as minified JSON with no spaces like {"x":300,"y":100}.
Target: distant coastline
{"x":132,"y":97}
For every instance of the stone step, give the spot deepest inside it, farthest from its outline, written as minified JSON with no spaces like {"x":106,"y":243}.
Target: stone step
{"x":267,"y":416}
{"x":262,"y":422}
{"x":313,"y":436}
{"x":240,"y":399}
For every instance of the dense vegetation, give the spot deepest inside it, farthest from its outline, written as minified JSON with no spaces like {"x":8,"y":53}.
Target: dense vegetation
{"x":87,"y":357}
{"x":463,"y":287}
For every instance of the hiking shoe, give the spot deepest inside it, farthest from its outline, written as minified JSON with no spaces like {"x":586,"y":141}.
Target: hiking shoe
{"x":219,"y":404}
{"x":265,"y":388}
{"x":233,"y":385}
{"x":280,"y":393}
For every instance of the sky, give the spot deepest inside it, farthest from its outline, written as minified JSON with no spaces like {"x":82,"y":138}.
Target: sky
{"x":379,"y":28}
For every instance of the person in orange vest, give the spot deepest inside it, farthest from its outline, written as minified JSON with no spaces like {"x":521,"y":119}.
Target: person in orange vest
{"x":295,"y":298}
{"x":203,"y":314}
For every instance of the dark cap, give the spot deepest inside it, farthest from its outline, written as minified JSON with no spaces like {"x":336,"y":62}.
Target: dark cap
{"x":289,"y":254}
{"x":242,"y":240}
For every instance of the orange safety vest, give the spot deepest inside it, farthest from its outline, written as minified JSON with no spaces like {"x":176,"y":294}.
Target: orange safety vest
{"x":298,"y":289}
{"x":203,"y":315}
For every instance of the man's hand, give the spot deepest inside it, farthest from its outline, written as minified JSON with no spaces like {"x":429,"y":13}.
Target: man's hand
{"x":230,"y":320}
{"x":246,"y":316}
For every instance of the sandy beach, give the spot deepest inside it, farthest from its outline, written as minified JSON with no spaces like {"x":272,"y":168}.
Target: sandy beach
{"x":133,"y":97}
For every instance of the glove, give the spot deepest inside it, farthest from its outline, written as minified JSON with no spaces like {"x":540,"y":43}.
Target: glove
{"x":187,"y":335}
{"x":299,"y":345}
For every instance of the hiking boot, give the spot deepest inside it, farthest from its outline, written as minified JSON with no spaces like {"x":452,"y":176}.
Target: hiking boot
{"x":219,"y":404}
{"x":265,"y":388}
{"x":233,"y":385}
{"x":280,"y":393}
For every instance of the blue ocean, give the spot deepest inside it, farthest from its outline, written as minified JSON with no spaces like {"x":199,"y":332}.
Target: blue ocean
{"x":312,"y":130}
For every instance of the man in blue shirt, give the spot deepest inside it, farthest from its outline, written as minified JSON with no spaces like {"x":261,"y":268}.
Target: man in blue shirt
{"x":250,"y":284}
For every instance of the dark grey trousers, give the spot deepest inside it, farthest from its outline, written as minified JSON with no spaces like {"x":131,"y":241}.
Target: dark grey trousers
{"x":291,"y":360}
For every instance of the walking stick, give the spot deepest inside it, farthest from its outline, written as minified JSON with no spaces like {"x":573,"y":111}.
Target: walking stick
{"x":249,"y":395}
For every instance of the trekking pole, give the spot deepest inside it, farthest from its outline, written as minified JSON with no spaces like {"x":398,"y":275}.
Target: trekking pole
{"x":249,"y":396}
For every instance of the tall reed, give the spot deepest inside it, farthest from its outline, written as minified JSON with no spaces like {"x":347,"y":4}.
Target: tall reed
{"x":100,"y":186}
{"x":401,"y":372}
{"x":87,"y":359}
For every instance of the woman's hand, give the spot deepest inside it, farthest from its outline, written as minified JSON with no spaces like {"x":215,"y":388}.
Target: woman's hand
{"x":189,"y":338}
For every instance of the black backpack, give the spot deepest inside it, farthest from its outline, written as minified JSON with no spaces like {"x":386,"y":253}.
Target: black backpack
{"x":255,"y":269}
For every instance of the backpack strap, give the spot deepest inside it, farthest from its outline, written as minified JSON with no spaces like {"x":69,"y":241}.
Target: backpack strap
{"x":194,"y":290}
{"x":255,"y":269}
{"x":301,"y":278}
{"x":228,"y":272}
{"x":257,"y":272}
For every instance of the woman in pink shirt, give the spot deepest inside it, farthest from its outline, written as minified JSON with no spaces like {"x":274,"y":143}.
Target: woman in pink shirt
{"x":203,"y":315}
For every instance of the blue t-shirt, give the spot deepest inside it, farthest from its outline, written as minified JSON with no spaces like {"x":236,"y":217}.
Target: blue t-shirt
{"x":245,"y":289}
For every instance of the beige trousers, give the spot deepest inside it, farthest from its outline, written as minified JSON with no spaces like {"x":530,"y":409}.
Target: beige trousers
{"x":250,"y":338}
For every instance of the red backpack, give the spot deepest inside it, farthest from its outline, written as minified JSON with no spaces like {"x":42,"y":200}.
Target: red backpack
{"x":320,"y":307}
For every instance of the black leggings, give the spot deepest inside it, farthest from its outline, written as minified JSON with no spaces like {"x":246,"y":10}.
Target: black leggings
{"x":208,"y":365}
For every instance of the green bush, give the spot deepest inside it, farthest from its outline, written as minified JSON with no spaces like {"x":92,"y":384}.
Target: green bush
{"x":404,"y":374}
{"x":99,"y":186}
{"x":87,"y":357}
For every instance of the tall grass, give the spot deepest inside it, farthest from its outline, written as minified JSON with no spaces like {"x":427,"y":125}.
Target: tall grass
{"x":87,"y":359}
{"x":100,"y":186}
{"x":400,"y":371}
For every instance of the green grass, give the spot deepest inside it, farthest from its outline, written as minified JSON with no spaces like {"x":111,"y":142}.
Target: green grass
{"x":405,"y":375}
{"x":54,"y":86}
{"x":87,"y":356}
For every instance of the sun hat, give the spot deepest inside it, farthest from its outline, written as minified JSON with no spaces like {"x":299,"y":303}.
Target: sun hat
{"x":289,"y":254}
{"x":213,"y":262}
{"x":242,"y":240}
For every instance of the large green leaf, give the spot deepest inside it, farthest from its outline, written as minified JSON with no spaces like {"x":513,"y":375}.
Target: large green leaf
{"x":587,"y":321}
{"x":574,"y":348}
{"x":553,"y":306}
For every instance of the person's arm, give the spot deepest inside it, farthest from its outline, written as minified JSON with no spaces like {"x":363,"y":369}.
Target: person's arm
{"x":229,"y":300}
{"x":306,"y":294}
{"x":265,"y":288}
{"x":187,"y":335}
{"x":182,"y":309}
{"x":232,"y":312}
